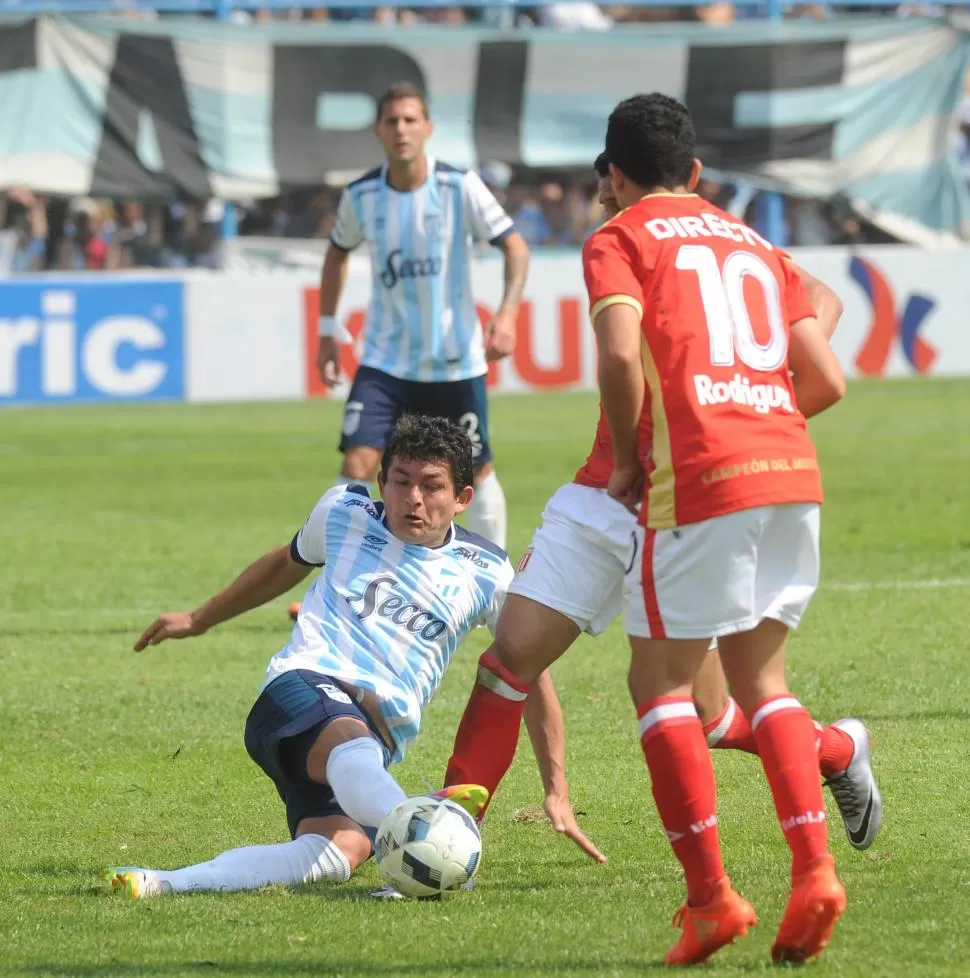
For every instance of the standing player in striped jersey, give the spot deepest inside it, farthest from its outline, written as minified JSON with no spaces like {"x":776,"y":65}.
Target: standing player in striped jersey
{"x":423,"y":345}
{"x":401,"y":586}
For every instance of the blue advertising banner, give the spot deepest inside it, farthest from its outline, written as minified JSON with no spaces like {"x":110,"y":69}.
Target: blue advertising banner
{"x":64,"y":340}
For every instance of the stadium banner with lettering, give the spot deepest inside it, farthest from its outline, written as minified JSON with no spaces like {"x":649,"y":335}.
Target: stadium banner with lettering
{"x":123,"y":108}
{"x":203,"y":336}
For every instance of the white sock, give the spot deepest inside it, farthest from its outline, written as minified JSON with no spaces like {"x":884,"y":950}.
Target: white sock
{"x":307,"y":859}
{"x":486,"y":515}
{"x":360,"y":782}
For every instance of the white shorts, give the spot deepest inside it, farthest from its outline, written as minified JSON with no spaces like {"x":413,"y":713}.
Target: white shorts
{"x":724,"y":575}
{"x":578,"y":557}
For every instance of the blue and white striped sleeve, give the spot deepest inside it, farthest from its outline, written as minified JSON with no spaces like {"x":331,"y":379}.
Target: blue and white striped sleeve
{"x":309,"y":546}
{"x":487,"y":219}
{"x":347,"y":233}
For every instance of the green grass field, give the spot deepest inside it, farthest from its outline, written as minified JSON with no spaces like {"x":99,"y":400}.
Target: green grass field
{"x":108,"y":516}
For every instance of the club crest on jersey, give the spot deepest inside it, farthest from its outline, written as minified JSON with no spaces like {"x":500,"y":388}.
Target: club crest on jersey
{"x":381,"y":597}
{"x":352,"y":413}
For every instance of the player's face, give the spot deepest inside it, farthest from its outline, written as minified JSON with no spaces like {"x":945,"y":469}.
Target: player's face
{"x":607,"y":198}
{"x":403,"y":130}
{"x":420,"y":500}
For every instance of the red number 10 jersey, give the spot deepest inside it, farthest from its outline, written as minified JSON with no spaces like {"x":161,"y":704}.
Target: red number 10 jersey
{"x":716,"y":303}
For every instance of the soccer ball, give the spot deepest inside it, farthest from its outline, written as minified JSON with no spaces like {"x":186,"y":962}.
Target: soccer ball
{"x":427,"y":846}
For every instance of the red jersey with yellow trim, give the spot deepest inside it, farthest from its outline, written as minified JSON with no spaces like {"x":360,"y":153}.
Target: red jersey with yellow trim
{"x":716,"y":302}
{"x":599,"y":465}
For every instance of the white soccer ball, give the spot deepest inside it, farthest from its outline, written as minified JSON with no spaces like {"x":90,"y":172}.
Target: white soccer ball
{"x":427,"y":846}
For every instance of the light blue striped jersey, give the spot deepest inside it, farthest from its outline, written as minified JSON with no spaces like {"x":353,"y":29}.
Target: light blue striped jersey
{"x":421,"y":323}
{"x":384,"y":615}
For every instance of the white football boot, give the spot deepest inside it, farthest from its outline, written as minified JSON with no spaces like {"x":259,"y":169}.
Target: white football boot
{"x":855,"y":789}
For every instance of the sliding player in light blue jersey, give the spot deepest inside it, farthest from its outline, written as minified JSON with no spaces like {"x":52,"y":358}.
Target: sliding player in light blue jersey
{"x":401,"y":586}
{"x":423,"y":347}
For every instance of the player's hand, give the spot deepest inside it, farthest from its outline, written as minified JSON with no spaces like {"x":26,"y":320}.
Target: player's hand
{"x":173,"y":624}
{"x":500,"y":336}
{"x":560,"y":812}
{"x":328,"y":360}
{"x":626,"y":485}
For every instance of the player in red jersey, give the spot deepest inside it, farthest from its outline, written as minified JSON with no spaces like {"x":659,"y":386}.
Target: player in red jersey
{"x":699,"y":318}
{"x":571,"y":580}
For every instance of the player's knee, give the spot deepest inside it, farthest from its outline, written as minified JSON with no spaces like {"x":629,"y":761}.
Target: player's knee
{"x":338,"y":835}
{"x":517,"y":657}
{"x":360,"y":464}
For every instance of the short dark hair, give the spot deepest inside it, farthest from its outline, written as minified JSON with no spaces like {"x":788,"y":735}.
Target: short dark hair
{"x":398,"y":91}
{"x":602,"y":165}
{"x":420,"y":438}
{"x":650,"y":139}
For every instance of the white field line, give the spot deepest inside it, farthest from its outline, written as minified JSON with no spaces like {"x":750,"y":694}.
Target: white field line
{"x":930,"y":584}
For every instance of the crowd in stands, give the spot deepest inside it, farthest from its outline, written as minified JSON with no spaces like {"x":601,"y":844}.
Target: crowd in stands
{"x":91,"y":234}
{"x":575,"y":14}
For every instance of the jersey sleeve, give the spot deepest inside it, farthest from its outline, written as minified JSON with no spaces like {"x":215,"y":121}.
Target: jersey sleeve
{"x":487,"y":219}
{"x":309,"y":546}
{"x":490,"y":616}
{"x":347,"y":233}
{"x":797,"y":303}
{"x":610,"y":264}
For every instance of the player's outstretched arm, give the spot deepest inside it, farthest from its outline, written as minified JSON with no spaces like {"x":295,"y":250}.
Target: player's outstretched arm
{"x":817,"y":376}
{"x":543,"y":717}
{"x":267,"y":578}
{"x":827,"y":305}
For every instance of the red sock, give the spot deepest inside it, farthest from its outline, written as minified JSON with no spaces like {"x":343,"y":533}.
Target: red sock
{"x":489,"y":730}
{"x":682,"y":778}
{"x":730,"y":730}
{"x":785,"y":735}
{"x":835,"y":749}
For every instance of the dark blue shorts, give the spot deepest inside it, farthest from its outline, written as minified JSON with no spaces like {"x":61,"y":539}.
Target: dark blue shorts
{"x":283,"y":725}
{"x":377,"y":400}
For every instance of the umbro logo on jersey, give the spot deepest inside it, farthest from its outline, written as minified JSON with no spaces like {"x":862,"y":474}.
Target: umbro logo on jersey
{"x":372,"y":542}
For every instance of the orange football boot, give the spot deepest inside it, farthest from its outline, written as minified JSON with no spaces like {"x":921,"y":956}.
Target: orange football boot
{"x":817,"y":901}
{"x":707,"y":929}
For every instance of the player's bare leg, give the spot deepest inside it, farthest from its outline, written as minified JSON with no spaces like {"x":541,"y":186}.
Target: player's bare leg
{"x":661,"y":681}
{"x":785,"y":734}
{"x":360,"y":464}
{"x":487,"y":514}
{"x":529,"y":637}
